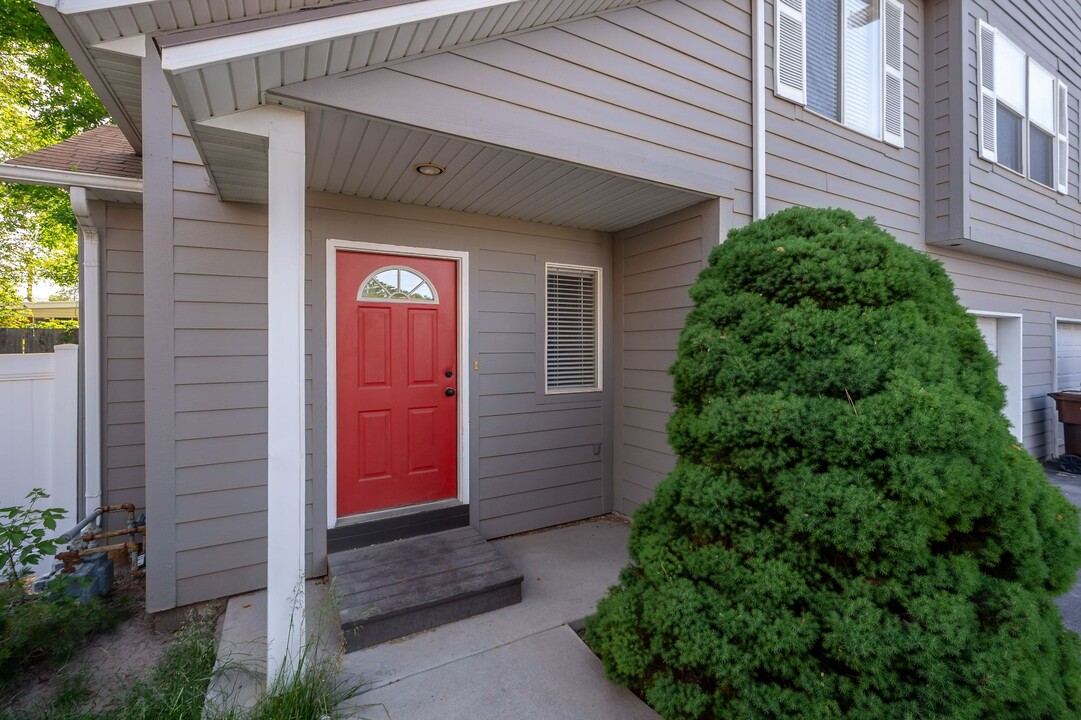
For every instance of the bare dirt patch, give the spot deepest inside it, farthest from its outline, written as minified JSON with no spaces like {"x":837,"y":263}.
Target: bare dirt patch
{"x":110,"y":662}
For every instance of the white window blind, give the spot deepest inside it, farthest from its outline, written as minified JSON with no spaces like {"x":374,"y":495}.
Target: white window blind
{"x":572,"y":324}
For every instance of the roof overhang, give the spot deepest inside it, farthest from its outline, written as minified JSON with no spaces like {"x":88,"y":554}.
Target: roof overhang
{"x":233,"y":63}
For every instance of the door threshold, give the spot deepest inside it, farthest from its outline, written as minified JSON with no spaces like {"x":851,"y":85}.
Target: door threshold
{"x":394,"y":512}
{"x":381,"y":526}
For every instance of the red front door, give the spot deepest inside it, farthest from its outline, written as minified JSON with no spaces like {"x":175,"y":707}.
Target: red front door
{"x":397,"y":373}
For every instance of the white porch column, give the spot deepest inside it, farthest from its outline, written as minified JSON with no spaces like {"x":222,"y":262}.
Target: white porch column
{"x":285,"y":389}
{"x":286,"y":184}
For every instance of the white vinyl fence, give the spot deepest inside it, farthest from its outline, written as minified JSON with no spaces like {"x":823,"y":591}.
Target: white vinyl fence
{"x":39,"y":401}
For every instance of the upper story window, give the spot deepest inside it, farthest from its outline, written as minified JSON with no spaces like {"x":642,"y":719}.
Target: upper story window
{"x":1023,"y":120}
{"x":844,"y":59}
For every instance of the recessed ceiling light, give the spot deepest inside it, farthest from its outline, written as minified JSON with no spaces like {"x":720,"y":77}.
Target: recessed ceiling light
{"x":429,"y":169}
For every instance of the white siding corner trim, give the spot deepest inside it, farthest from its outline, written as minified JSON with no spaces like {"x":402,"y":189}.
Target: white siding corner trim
{"x":464,"y":364}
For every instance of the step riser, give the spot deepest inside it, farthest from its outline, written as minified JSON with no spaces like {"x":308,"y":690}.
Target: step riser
{"x":399,"y":588}
{"x":359,"y":635}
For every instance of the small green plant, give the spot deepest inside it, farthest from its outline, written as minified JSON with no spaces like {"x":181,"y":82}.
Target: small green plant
{"x":176,"y":689}
{"x":49,"y":628}
{"x":23,"y":541}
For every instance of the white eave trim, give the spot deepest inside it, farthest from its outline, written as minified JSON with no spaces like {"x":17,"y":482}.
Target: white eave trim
{"x":203,"y":53}
{"x":76,"y":7}
{"x":133,"y":45}
{"x":68,"y":178}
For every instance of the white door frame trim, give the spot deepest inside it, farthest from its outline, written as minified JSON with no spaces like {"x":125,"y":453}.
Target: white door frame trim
{"x":1011,"y":372}
{"x":1054,"y":354}
{"x":334,"y":245}
{"x":1057,"y":436}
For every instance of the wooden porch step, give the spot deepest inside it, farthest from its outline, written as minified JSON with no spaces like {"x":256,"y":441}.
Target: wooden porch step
{"x":400,"y":588}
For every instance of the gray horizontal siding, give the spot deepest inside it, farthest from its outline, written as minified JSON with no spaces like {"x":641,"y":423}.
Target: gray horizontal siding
{"x":656,"y":264}
{"x":532,"y":459}
{"x":123,"y":430}
{"x":996,"y":286}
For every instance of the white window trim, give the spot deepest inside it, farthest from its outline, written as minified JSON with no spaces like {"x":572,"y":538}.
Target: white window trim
{"x":598,"y":351}
{"x":462,"y":258}
{"x":1060,"y":140}
{"x":794,"y":11}
{"x":1010,"y":346}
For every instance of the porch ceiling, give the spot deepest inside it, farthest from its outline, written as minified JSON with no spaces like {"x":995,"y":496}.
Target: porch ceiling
{"x":354,"y":155}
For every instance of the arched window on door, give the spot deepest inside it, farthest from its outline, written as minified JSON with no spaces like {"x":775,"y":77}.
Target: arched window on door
{"x":397,"y":282}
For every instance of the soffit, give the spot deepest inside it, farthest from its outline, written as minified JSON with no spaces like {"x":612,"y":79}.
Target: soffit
{"x":353,"y":155}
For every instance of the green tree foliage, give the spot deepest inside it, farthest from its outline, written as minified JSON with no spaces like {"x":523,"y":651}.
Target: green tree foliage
{"x":851,"y":530}
{"x":43,"y":100}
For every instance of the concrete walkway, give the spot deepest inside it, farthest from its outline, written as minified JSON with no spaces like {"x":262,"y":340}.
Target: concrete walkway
{"x":1070,"y":603}
{"x":523,"y":661}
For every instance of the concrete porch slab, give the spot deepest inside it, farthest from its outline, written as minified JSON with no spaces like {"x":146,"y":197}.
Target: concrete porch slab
{"x":520,"y":661}
{"x":566,"y":569}
{"x":550,"y":675}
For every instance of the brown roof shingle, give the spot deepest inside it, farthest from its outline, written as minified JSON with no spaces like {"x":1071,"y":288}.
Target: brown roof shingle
{"x":101,"y":151}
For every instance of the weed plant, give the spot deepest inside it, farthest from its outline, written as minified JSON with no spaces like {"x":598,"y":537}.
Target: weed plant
{"x":851,"y":530}
{"x":177,"y":688}
{"x":47,"y":629}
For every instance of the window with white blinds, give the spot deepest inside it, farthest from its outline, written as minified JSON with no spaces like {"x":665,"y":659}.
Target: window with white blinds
{"x":844,"y":59}
{"x":1024,"y":120}
{"x":572,"y":328}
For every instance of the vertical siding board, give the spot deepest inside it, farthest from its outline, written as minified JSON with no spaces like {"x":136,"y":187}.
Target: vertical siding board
{"x":158,"y":332}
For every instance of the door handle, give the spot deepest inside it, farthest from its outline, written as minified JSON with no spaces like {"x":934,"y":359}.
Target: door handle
{"x":449,"y":392}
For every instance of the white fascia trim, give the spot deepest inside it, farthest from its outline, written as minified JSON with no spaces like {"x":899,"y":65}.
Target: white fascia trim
{"x":132,"y":45}
{"x":202,"y":53}
{"x":68,"y":178}
{"x":255,"y":121}
{"x":76,"y":7}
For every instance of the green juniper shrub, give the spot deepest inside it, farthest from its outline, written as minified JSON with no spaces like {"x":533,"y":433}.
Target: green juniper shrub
{"x":851,"y":530}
